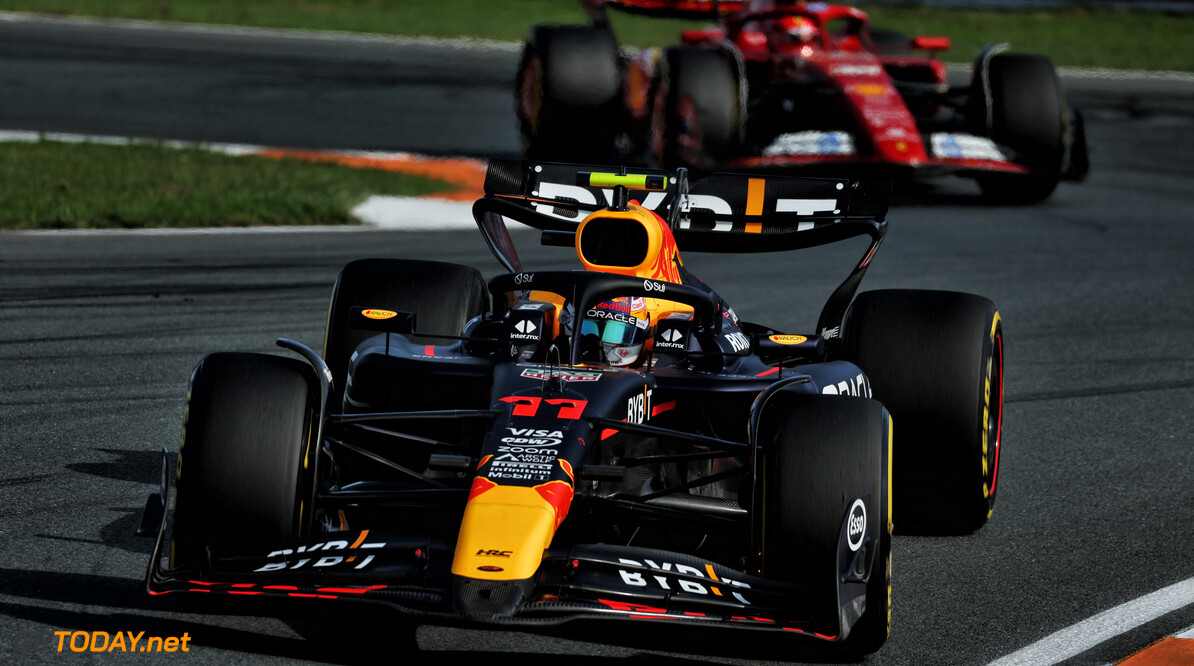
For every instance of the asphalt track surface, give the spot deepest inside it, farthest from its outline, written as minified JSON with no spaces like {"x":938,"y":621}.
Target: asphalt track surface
{"x":99,"y":333}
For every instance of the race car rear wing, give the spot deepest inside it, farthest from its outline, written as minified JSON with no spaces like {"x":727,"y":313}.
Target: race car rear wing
{"x":734,"y":11}
{"x":719,"y":213}
{"x":692,"y":9}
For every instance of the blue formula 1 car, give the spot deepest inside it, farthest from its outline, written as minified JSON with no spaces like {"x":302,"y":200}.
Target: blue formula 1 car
{"x":605,"y":444}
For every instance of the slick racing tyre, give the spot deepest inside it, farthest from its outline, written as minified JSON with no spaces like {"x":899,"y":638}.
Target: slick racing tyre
{"x":820,"y":454}
{"x":443,"y":297}
{"x":1028,"y":114}
{"x":568,"y":88}
{"x":697,"y":108}
{"x":240,"y":465}
{"x":935,"y":360}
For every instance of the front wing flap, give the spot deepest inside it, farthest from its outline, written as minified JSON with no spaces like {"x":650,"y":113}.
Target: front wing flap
{"x":586,"y":582}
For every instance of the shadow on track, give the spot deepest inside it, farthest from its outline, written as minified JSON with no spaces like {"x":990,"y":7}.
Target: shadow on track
{"x":137,"y":466}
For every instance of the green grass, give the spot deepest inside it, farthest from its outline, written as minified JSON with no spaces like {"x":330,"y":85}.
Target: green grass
{"x":493,"y":19}
{"x":1073,"y":37}
{"x":50,"y":185}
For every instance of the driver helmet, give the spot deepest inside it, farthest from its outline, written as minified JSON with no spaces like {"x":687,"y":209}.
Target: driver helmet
{"x":621,"y":325}
{"x":794,"y":30}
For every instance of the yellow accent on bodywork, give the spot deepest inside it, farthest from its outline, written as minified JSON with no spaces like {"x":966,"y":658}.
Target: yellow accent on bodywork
{"x":509,"y":519}
{"x":634,"y":181}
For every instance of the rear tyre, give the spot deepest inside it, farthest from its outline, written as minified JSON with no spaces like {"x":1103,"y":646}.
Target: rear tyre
{"x":240,"y":464}
{"x":568,"y":88}
{"x":697,"y":108}
{"x":1029,"y":115}
{"x":935,"y":360}
{"x":443,"y":297}
{"x":819,"y":454}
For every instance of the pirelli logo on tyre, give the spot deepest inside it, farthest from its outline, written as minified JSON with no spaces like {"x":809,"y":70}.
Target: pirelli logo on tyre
{"x":373,"y":313}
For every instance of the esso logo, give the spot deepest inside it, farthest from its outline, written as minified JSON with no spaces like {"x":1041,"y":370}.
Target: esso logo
{"x":651,"y":285}
{"x":856,"y":525}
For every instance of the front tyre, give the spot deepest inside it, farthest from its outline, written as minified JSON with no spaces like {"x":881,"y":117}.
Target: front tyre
{"x":1025,"y":111}
{"x":820,"y":453}
{"x":246,"y":434}
{"x":935,"y":360}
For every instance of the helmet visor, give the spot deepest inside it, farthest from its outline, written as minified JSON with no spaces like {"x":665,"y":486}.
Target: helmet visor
{"x":620,"y":342}
{"x":610,"y":332}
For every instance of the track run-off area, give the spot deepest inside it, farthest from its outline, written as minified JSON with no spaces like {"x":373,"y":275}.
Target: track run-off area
{"x":1087,"y":559}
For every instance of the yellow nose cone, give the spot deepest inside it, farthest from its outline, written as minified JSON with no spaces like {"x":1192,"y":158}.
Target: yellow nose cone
{"x":506,"y":529}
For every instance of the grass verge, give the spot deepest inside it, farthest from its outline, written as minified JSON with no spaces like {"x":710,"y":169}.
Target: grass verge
{"x":1080,"y":36}
{"x":1103,"y":38}
{"x":54,"y":185}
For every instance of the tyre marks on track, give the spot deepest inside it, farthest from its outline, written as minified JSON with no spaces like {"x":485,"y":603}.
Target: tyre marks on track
{"x":22,"y":480}
{"x":1096,"y":392}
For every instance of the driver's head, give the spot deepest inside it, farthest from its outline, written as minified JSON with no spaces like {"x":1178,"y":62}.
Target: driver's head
{"x":793,"y":31}
{"x":620,"y":325}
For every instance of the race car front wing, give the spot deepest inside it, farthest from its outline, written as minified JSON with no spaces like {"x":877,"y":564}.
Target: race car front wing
{"x":592,"y":582}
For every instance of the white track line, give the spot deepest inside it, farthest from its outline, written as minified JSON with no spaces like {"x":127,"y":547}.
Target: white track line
{"x":416,"y":214}
{"x":380,"y":213}
{"x":1079,"y":638}
{"x":28,"y":136}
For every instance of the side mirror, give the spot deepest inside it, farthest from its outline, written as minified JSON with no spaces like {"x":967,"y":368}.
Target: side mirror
{"x":930,"y":43}
{"x":693,"y":37}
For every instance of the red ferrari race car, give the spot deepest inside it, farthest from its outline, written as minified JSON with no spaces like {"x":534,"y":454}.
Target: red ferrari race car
{"x":779,"y":85}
